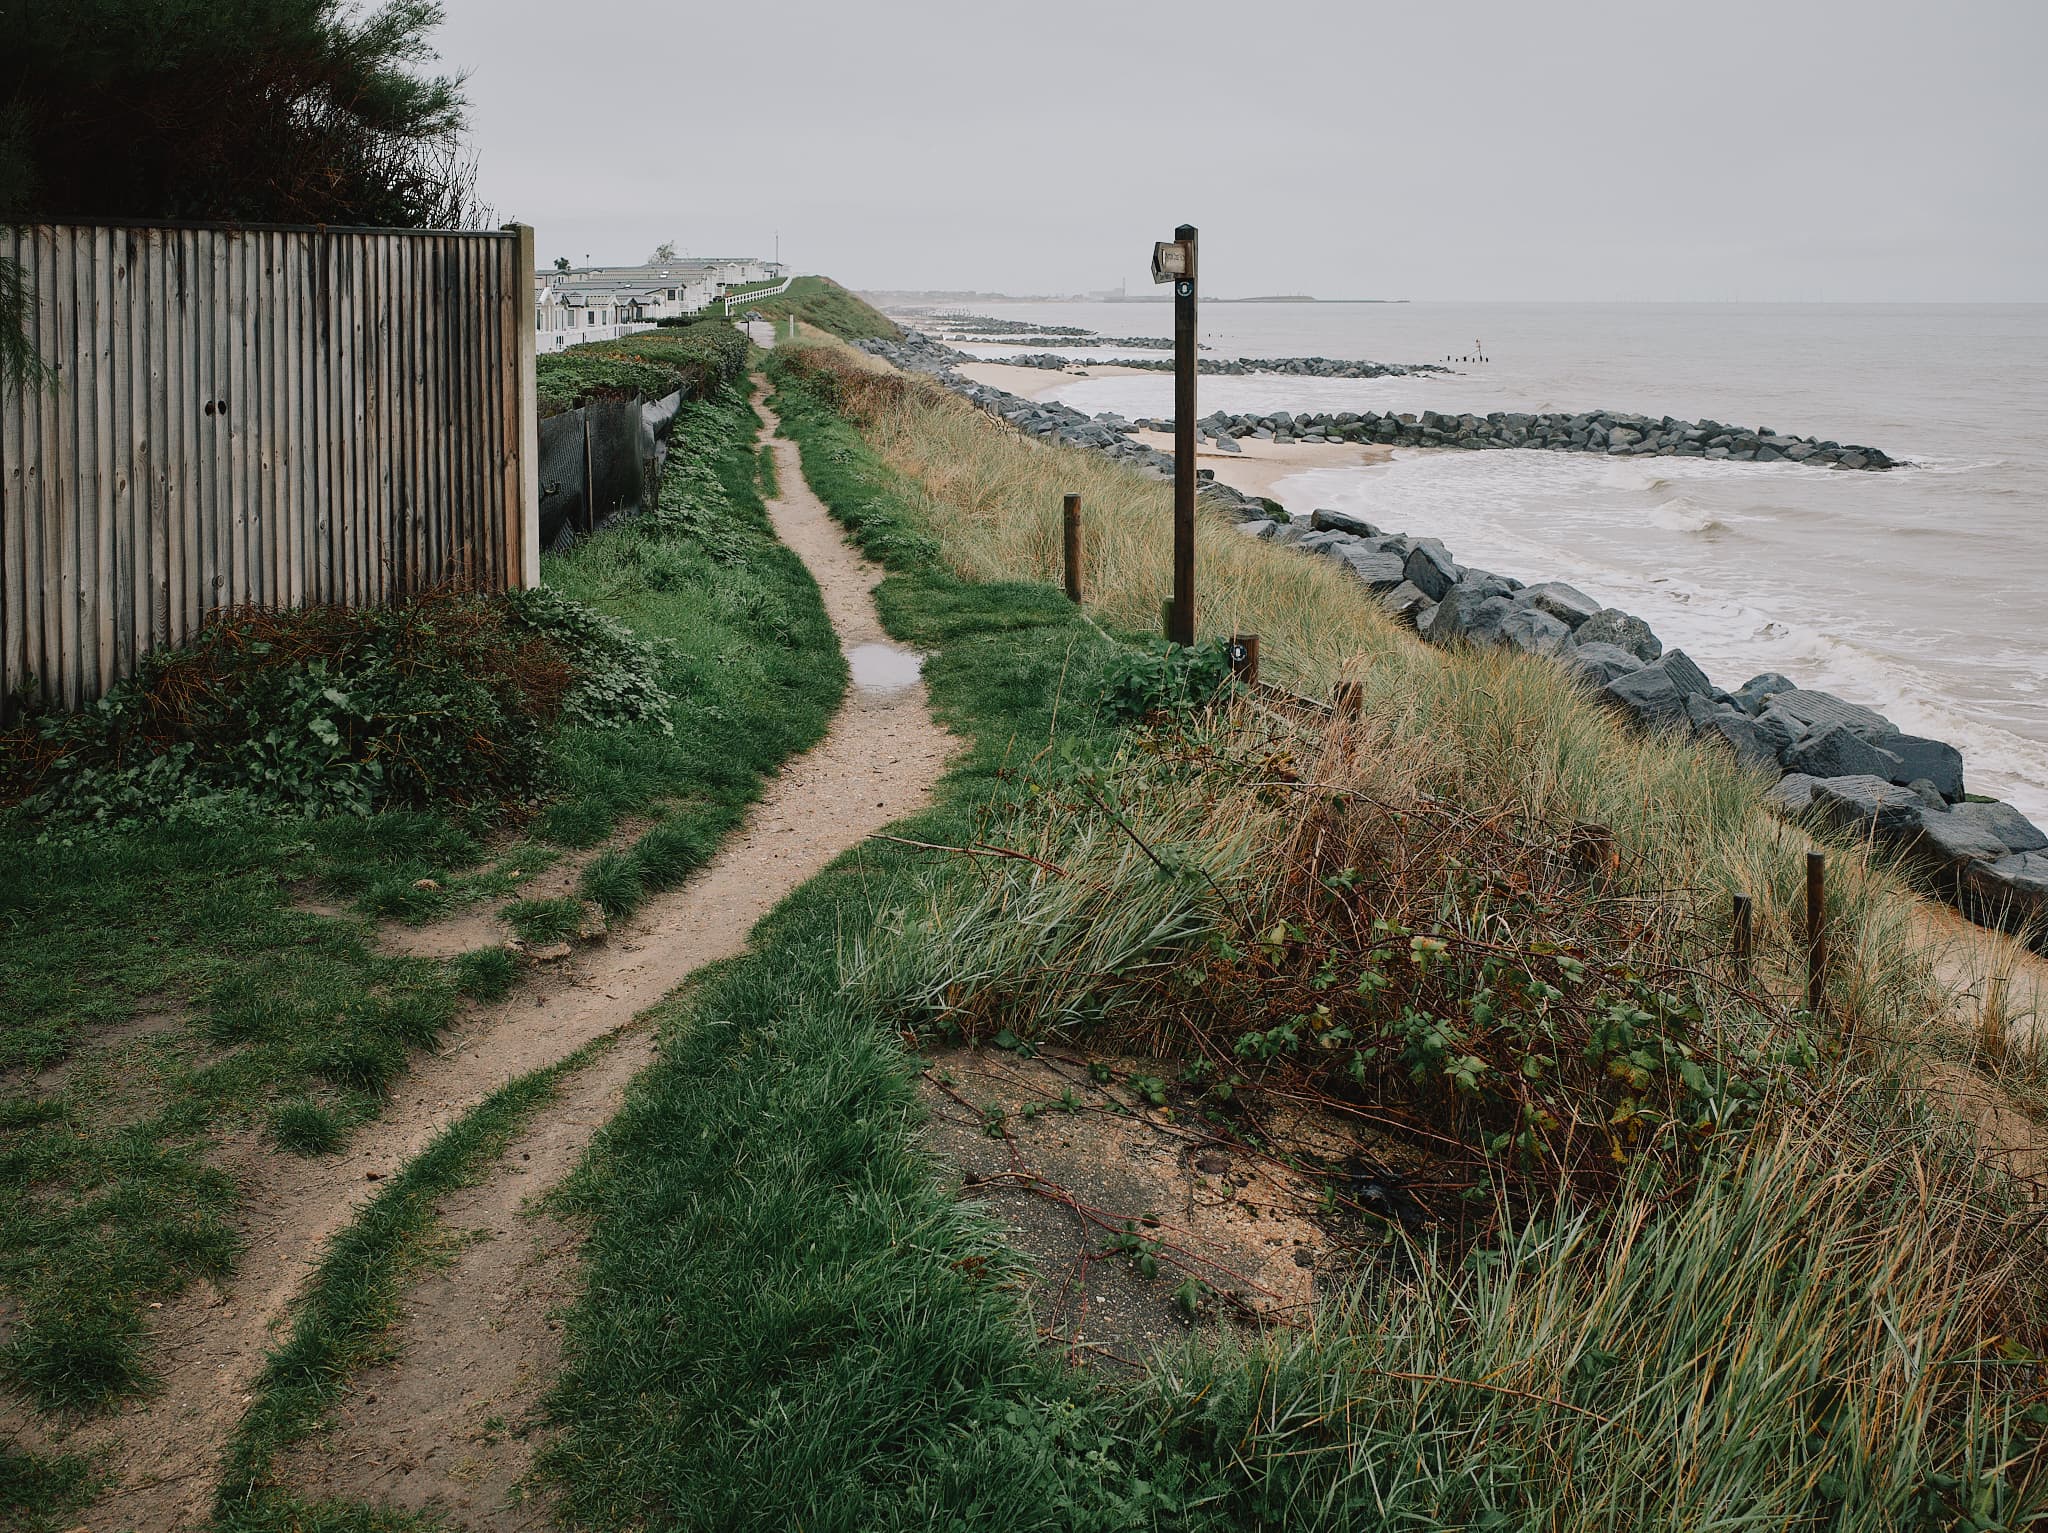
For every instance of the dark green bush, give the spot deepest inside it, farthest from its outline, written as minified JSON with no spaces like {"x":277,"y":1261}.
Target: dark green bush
{"x":695,"y":357}
{"x":443,"y":700}
{"x":1164,"y":678}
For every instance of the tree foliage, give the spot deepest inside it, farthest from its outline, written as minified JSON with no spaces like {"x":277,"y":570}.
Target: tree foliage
{"x":284,"y":111}
{"x":259,"y":111}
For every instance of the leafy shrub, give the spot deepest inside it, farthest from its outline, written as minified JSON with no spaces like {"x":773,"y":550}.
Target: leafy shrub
{"x":1166,"y":679}
{"x":443,"y":700}
{"x":695,"y":357}
{"x":613,"y":674}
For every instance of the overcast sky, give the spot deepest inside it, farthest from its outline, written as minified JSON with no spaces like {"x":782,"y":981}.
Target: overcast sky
{"x":1848,"y":150}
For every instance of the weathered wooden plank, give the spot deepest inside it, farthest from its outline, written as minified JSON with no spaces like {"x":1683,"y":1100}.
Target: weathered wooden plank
{"x":527,"y":419}
{"x":17,"y":485}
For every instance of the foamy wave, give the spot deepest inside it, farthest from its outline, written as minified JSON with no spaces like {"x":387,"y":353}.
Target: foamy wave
{"x":1645,"y":541}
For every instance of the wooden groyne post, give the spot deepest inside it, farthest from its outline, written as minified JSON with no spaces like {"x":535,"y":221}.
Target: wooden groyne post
{"x":1070,"y":515}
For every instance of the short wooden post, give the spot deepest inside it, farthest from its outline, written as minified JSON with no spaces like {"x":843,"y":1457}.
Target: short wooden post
{"x":1244,"y":657}
{"x":1071,"y":516}
{"x":1816,"y":933}
{"x":1745,"y":936}
{"x":1349,"y":699}
{"x":1166,"y":617}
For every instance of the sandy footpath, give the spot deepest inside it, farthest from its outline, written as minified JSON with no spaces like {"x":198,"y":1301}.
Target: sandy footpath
{"x":442,"y":1427}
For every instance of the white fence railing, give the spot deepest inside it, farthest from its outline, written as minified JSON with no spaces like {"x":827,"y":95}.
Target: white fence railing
{"x":546,"y":341}
{"x":738,"y":301}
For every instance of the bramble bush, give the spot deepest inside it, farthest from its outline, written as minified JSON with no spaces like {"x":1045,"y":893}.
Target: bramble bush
{"x":443,"y":700}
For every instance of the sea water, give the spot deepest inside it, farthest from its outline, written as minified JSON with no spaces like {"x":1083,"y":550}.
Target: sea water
{"x":1922,"y":591}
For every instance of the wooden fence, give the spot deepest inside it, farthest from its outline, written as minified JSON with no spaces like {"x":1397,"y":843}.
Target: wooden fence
{"x":256,"y":416}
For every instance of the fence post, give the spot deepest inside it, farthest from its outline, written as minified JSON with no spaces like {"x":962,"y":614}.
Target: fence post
{"x":1070,"y":513}
{"x":589,"y":489}
{"x":1244,"y":657}
{"x":525,"y":512}
{"x":1744,"y":936}
{"x":1816,"y":933}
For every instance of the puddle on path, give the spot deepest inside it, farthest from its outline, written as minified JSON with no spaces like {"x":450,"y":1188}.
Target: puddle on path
{"x":884,"y":667}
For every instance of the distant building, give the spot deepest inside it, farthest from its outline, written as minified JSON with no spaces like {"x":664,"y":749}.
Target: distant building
{"x":601,"y":303}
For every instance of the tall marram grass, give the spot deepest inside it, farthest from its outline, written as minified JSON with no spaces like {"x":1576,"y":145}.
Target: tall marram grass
{"x":1487,"y":727}
{"x":1791,"y":1347}
{"x":1832,"y":1321}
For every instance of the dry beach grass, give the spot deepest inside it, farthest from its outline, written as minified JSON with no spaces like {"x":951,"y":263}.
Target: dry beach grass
{"x":1877,"y":1218}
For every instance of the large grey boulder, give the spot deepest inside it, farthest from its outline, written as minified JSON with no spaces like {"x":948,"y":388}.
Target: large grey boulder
{"x":1325,"y":520}
{"x":1868,"y":802}
{"x":1657,"y":693}
{"x":1817,"y":710}
{"x":1936,"y":760}
{"x":1601,"y":662}
{"x":1838,"y":751}
{"x":1533,"y":632}
{"x":1738,"y":731}
{"x":1430,"y":566}
{"x":1779,"y":730}
{"x":1945,"y":837}
{"x":1691,"y":680}
{"x":1407,"y":601}
{"x":1569,"y":605}
{"x":1379,"y":571}
{"x":1610,"y":625}
{"x":1465,"y":612}
{"x":2013,"y":889}
{"x":2019,"y":833}
{"x":1755,"y":694}
{"x":1792,"y":794}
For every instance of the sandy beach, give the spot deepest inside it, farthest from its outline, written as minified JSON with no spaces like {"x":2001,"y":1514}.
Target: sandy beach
{"x":1253,"y":471}
{"x":1035,"y":382}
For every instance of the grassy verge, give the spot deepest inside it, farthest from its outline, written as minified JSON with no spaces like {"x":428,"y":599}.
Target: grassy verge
{"x":165,"y":988}
{"x":1790,"y":1297}
{"x":352,"y":1302}
{"x":788,"y":1322}
{"x":824,"y":303}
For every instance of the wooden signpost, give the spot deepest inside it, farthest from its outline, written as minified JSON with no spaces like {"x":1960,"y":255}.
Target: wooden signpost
{"x":1174,"y":261}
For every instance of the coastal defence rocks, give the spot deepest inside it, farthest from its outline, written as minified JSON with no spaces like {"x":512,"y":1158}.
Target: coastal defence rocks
{"x":1607,"y":432}
{"x":1840,"y":764}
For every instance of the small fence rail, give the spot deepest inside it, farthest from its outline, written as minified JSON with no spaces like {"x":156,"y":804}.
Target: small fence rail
{"x":738,"y":301}
{"x":255,"y":416}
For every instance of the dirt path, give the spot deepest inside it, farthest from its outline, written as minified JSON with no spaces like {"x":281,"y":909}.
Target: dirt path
{"x":876,"y":764}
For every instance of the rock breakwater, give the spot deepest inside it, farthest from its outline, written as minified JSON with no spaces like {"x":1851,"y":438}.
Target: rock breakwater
{"x":1599,"y":431}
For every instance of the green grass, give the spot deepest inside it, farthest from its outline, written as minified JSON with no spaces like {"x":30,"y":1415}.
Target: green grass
{"x":789,"y":1322}
{"x":109,"y":1197}
{"x":354,"y":1298}
{"x":822,"y":302}
{"x":770,"y":1260}
{"x":39,"y":1493}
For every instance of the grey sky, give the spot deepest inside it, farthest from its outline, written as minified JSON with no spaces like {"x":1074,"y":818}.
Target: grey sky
{"x":1803,"y":149}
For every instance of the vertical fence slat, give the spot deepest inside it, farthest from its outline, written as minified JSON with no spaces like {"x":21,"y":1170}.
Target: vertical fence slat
{"x":16,"y":497}
{"x":75,"y":575}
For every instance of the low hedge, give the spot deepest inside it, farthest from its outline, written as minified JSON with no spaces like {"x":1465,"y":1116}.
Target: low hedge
{"x":695,"y":358}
